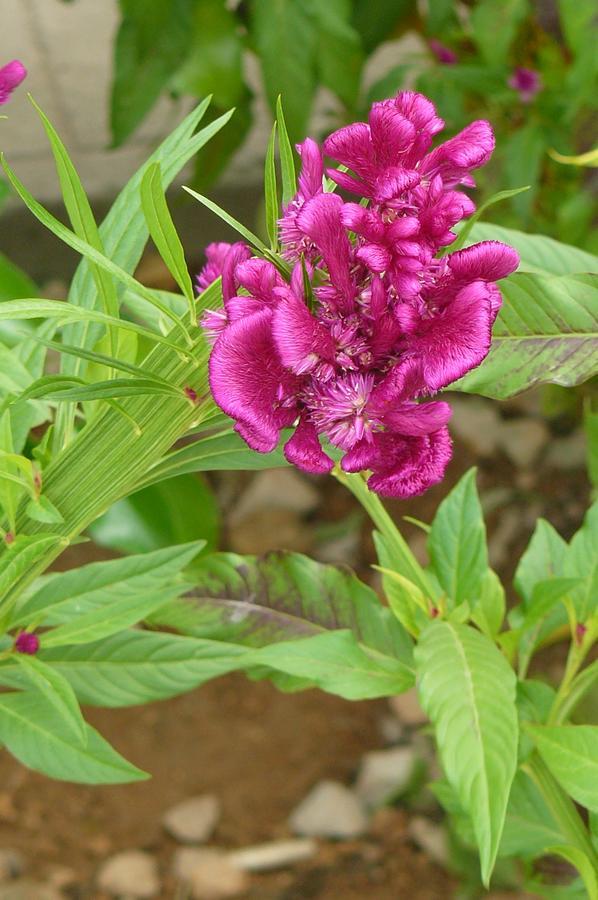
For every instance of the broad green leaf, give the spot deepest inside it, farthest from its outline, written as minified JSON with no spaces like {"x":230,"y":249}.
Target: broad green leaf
{"x":467,"y":689}
{"x":64,"y":594}
{"x":151,"y":43}
{"x":14,"y":283}
{"x":32,"y":731}
{"x":535,"y":702}
{"x":494,"y":27}
{"x":136,"y":666}
{"x":222,"y":451}
{"x":271,"y":192}
{"x":546,"y":331}
{"x":582,"y":863}
{"x":339,"y":56}
{"x":110,"y":618}
{"x":378,"y":20}
{"x":571,"y":754}
{"x":457,"y":542}
{"x":279,"y":597}
{"x":162,"y":230}
{"x":489,"y":611}
{"x":56,"y":690}
{"x":336,"y":663}
{"x":544,"y":558}
{"x":546,"y":595}
{"x":287,"y":159}
{"x":539,"y":254}
{"x":581,"y":561}
{"x":19,"y":557}
{"x":529,"y":825}
{"x":171,"y":512}
{"x":284,"y":35}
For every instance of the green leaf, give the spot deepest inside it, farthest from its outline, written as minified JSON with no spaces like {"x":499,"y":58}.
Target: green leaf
{"x":529,"y":825}
{"x":378,"y":20}
{"x":494,"y":27}
{"x":221,"y":451}
{"x":524,"y":151}
{"x":79,"y":211}
{"x":279,"y":597}
{"x":65,"y":594}
{"x":489,"y":611}
{"x":32,"y":731}
{"x":43,"y":510}
{"x":135,"y":666}
{"x":151,"y":42}
{"x":230,"y":220}
{"x":571,"y":754}
{"x":287,"y":159}
{"x":171,"y":512}
{"x":336,"y":663}
{"x":582,"y":863}
{"x":101,"y":359}
{"x":162,"y":231}
{"x":404,"y":597}
{"x":213,"y":159}
{"x":110,"y":618}
{"x":56,"y":690}
{"x":339,"y":56}
{"x":14,"y":283}
{"x":543,"y":558}
{"x":546,"y":331}
{"x":271,"y":192}
{"x":545,"y":596}
{"x":465,"y":231}
{"x":457,"y":542}
{"x":581,"y":561}
{"x":19,"y":557}
{"x":539,"y":254}
{"x":467,"y":689}
{"x":61,"y":387}
{"x":284,"y":37}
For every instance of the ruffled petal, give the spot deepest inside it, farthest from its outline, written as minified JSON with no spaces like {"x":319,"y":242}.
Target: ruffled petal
{"x":409,"y":466}
{"x":302,"y":342}
{"x":320,"y":219}
{"x":415,"y":419}
{"x":488,"y":261}
{"x":312,"y":169}
{"x":246,"y":377}
{"x":469,"y":149}
{"x":351,"y":146}
{"x":304,"y":450}
{"x":391,"y":133}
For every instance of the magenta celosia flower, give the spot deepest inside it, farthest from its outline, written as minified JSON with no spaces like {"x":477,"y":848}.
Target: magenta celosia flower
{"x":350,"y":359}
{"x":11,"y":76}
{"x":443,"y":54}
{"x":527,"y":83}
{"x":27,"y":642}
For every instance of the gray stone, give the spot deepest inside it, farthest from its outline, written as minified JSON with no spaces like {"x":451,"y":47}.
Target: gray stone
{"x":193,"y":821}
{"x":431,"y":838}
{"x":504,"y":534}
{"x":12,"y":863}
{"x":131,"y":873}
{"x":477,"y":423}
{"x":28,"y":889}
{"x":329,"y":810}
{"x":523,"y":440}
{"x":273,"y":855}
{"x":209,"y":874}
{"x":384,"y":775}
{"x":568,"y":453}
{"x":407,"y":709}
{"x":276,"y":489}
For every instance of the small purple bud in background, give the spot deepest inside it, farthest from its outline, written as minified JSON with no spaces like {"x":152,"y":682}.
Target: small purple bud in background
{"x":580,"y":633}
{"x":190,"y":394}
{"x":11,"y":75}
{"x":9,"y":538}
{"x":443,"y":54}
{"x":27,"y":642}
{"x":526,"y":82}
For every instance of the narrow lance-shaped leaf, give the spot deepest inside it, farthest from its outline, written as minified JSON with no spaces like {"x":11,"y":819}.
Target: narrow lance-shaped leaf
{"x":162,"y":231}
{"x":271,"y":192}
{"x":287,"y":159}
{"x":465,"y":231}
{"x":467,"y":689}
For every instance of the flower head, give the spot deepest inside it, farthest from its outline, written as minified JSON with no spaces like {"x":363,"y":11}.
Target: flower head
{"x":372,"y":322}
{"x":11,"y":75}
{"x":527,"y":83}
{"x":27,"y":642}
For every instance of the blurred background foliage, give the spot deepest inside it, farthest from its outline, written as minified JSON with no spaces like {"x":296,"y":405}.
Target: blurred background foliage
{"x":465,"y":56}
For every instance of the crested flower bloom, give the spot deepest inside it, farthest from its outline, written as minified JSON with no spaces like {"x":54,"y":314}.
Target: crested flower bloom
{"x":526,"y":82}
{"x":11,"y":75}
{"x":372,"y":322}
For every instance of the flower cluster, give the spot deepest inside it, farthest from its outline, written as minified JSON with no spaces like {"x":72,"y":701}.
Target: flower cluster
{"x":11,"y":75}
{"x":372,"y":321}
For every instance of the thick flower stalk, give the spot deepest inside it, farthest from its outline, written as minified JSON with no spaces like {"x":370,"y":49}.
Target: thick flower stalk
{"x":372,"y":322}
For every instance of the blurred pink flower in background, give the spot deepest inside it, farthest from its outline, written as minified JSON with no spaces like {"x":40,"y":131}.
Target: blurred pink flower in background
{"x":11,"y":76}
{"x":526,"y":82}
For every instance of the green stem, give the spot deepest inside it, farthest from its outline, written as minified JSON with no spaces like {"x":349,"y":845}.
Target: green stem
{"x":562,"y":808}
{"x":405,"y":561}
{"x":108,"y":459}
